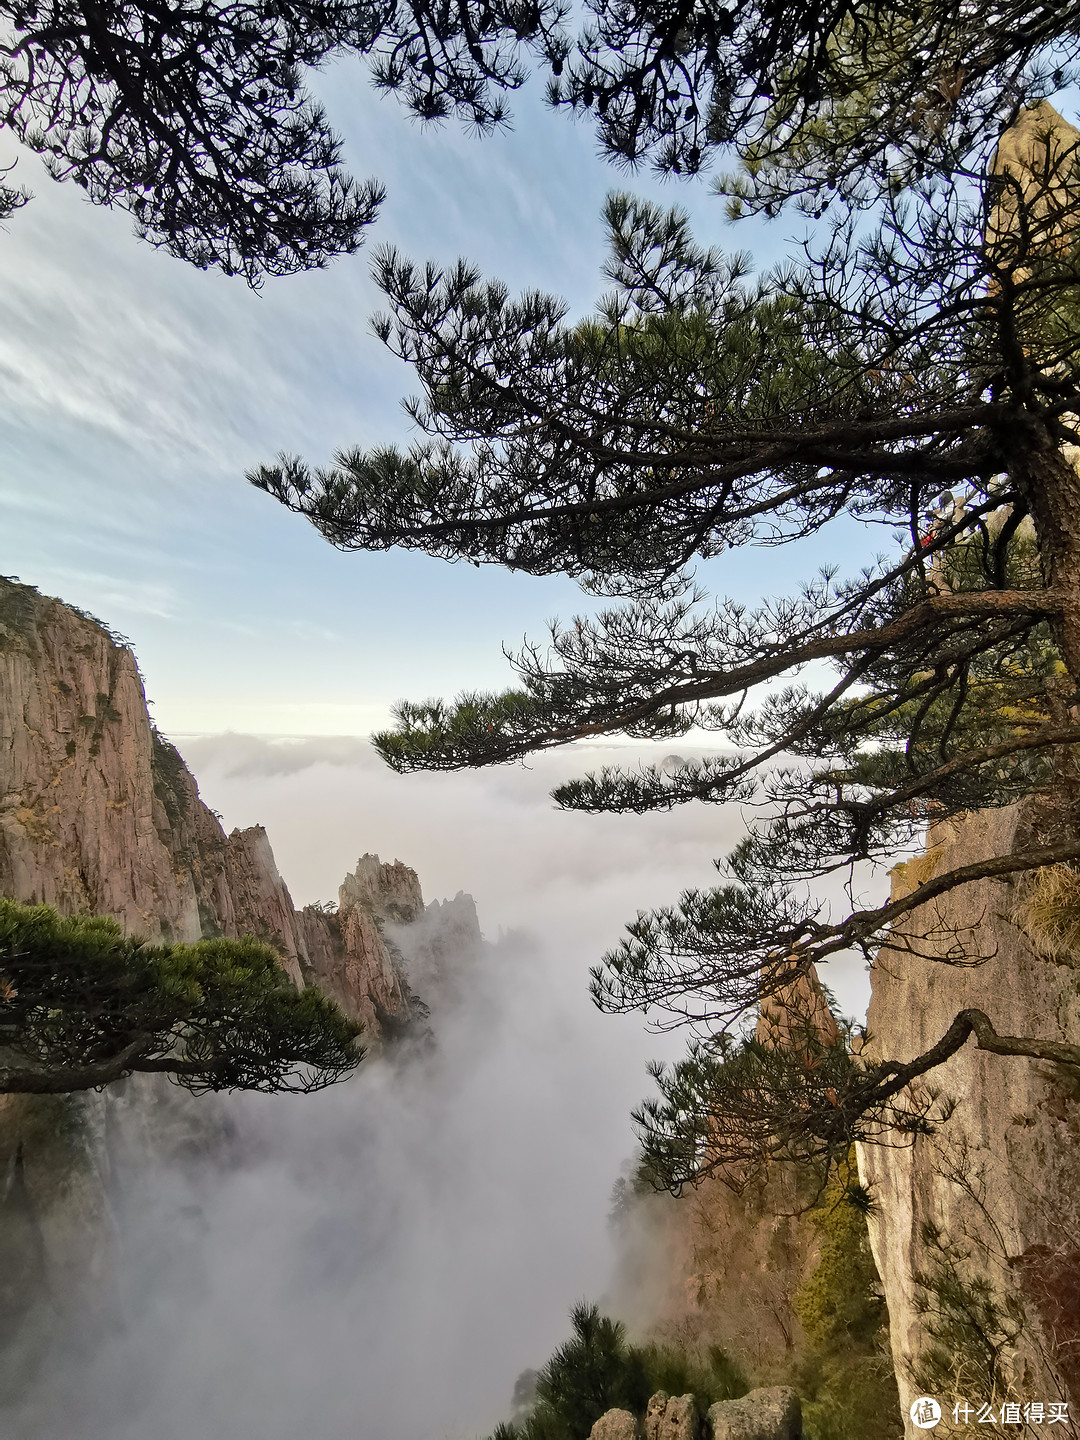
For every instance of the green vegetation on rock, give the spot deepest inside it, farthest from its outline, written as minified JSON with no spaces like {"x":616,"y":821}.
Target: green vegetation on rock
{"x":845,"y":1372}
{"x":597,"y":1370}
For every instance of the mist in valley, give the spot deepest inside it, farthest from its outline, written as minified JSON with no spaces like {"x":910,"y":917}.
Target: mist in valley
{"x":381,"y":1260}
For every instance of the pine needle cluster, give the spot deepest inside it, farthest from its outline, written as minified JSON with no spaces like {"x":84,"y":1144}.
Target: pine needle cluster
{"x":83,"y":1005}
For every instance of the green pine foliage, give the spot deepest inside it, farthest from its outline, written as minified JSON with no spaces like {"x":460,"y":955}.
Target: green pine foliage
{"x":82,"y":1004}
{"x":709,"y":1378}
{"x":698,"y":412}
{"x":597,"y":1370}
{"x":841,"y":1367}
{"x":734,"y":1106}
{"x":970,"y":1322}
{"x":592,"y":1372}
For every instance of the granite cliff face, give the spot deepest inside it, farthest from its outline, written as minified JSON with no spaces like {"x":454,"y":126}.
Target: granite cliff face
{"x":99,"y":814}
{"x":976,"y":1228}
{"x":95,"y":814}
{"x":715,"y":1268}
{"x":720,"y":1267}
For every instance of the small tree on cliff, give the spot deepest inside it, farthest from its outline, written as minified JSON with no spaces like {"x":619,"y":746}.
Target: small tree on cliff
{"x":82,"y":1005}
{"x":936,"y":349}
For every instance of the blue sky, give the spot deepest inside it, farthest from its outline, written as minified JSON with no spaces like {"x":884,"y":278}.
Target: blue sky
{"x":136,"y":390}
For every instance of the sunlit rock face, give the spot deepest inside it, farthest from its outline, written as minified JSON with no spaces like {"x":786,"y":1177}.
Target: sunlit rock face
{"x":346,"y":955}
{"x":81,"y":824}
{"x":389,"y":892}
{"x":976,"y":1228}
{"x":795,"y":1011}
{"x":681,"y":1261}
{"x":383,"y":955}
{"x":100,"y":815}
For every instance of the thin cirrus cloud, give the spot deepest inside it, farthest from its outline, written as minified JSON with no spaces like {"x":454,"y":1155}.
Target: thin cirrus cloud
{"x":136,"y":390}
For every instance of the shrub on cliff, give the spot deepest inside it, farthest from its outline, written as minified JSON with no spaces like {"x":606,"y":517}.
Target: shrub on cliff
{"x":597,"y":1370}
{"x":845,"y":1372}
{"x":82,"y":1005}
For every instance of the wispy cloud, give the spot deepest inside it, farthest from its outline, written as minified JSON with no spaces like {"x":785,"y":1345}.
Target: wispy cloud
{"x":382,"y":1261}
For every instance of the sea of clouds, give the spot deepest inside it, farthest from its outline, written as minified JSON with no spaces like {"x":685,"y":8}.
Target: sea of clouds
{"x":380,"y":1261}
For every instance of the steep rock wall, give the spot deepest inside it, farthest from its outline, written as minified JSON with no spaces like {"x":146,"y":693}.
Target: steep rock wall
{"x":390,"y":892}
{"x":346,"y":955}
{"x":81,"y":824}
{"x":716,"y":1268}
{"x":99,"y":814}
{"x":720,"y":1267}
{"x":976,"y":1228}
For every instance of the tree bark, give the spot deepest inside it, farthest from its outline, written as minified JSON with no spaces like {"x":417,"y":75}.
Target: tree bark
{"x":1050,"y":484}
{"x":64,"y":1079}
{"x":967,"y":1023}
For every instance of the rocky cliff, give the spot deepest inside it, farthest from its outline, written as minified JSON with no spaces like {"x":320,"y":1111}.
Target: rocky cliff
{"x":976,"y":1228}
{"x":99,"y":814}
{"x":683,"y":1261}
{"x":716,"y":1268}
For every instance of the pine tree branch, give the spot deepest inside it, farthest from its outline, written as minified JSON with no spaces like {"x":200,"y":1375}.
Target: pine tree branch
{"x":59,"y":1079}
{"x":865,"y":923}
